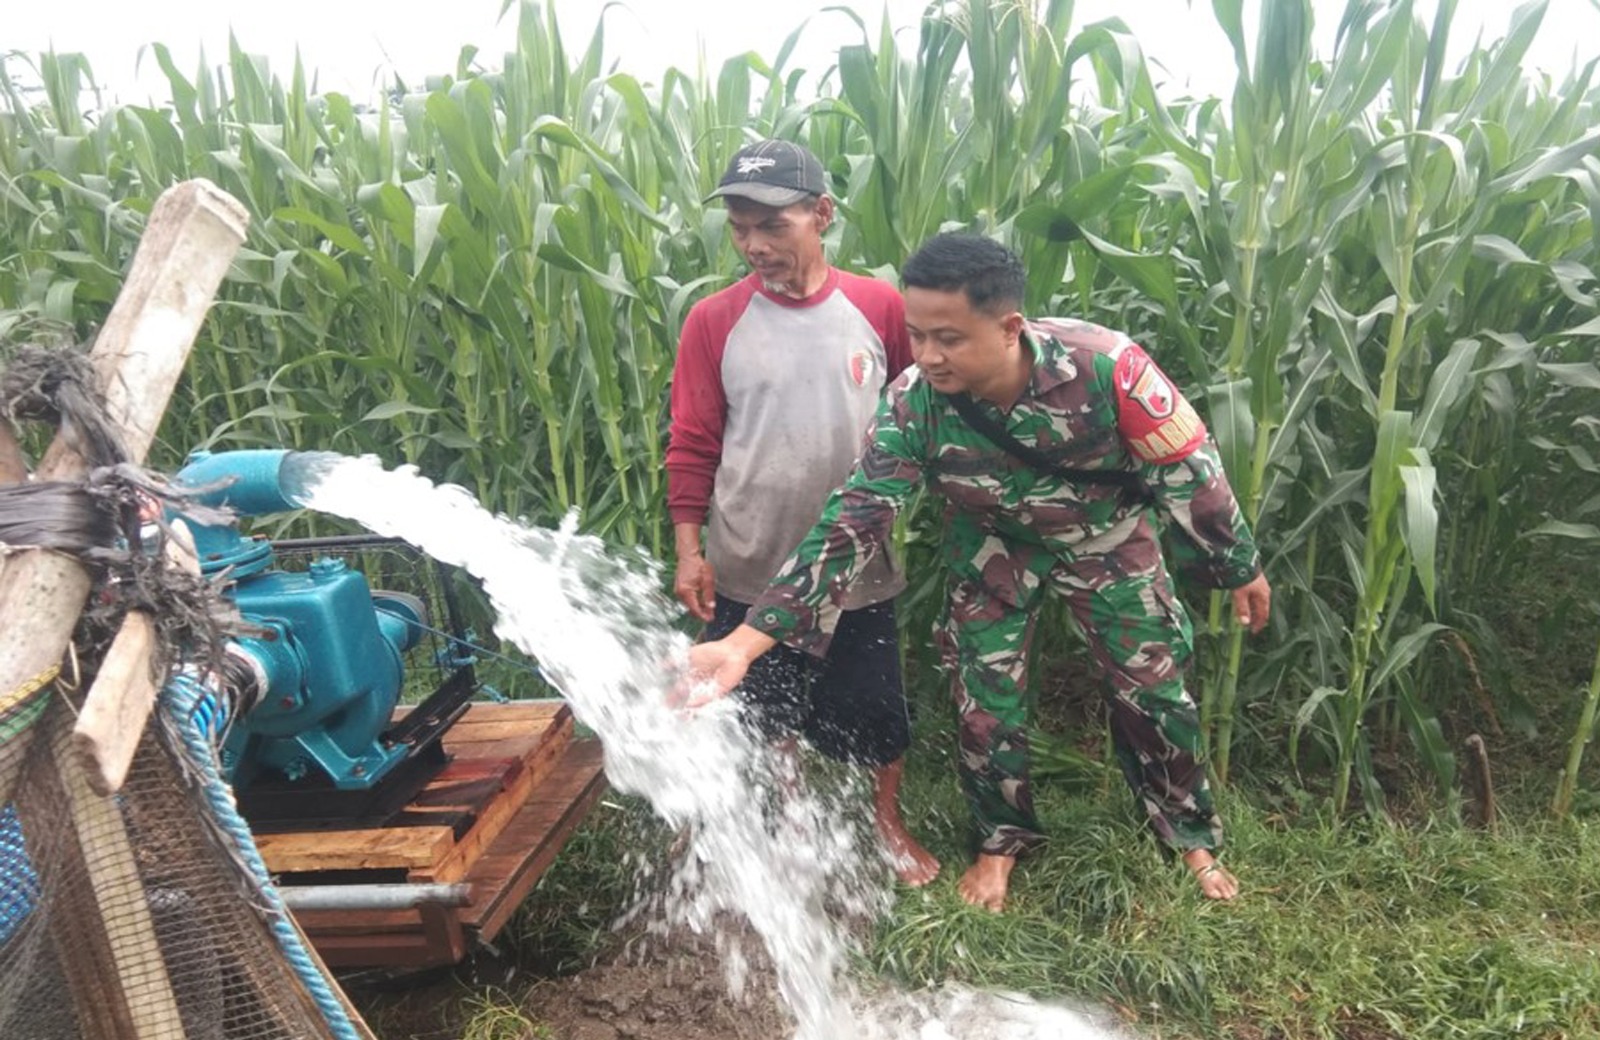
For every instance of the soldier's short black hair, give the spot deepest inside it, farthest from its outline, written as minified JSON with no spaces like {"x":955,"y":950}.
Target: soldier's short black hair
{"x":990,"y":274}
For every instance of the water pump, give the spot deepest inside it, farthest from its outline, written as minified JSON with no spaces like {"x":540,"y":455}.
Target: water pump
{"x":315,"y":686}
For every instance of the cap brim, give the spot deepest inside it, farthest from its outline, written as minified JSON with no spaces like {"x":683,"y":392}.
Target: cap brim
{"x":766,"y":194}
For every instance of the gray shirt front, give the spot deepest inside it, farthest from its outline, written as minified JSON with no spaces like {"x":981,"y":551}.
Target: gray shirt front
{"x":800,"y":381}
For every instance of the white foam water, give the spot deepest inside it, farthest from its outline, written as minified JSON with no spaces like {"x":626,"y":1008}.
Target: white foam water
{"x":760,"y":852}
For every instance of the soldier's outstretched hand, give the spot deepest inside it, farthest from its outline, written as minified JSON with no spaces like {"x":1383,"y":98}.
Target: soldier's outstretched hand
{"x":1253,"y":602}
{"x":716,"y":667}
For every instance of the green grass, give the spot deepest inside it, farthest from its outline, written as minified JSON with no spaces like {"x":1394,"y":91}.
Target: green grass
{"x":1372,"y":269}
{"x":1429,"y":931}
{"x":1366,"y":930}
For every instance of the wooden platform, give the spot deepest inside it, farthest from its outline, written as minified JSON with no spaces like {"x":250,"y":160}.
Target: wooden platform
{"x":516,"y":787}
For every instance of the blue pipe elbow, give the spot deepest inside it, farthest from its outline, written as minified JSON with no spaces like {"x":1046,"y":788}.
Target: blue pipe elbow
{"x":247,"y":481}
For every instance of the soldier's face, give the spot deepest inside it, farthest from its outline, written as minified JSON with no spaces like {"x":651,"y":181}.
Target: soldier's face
{"x":958,"y":347}
{"x":783,"y":246}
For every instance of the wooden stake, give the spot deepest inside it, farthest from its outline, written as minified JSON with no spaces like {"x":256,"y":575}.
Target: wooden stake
{"x":13,"y":470}
{"x":124,"y":692}
{"x":193,"y":232}
{"x":129,"y":984}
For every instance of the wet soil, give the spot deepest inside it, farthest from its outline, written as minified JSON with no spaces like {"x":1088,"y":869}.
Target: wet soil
{"x":684,"y":999}
{"x":643,"y":992}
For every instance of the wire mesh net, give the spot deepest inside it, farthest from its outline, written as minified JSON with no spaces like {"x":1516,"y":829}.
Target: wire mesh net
{"x":136,"y":915}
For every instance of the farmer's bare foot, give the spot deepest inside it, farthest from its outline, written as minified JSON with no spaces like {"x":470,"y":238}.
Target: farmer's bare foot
{"x":912,"y":863}
{"x":1215,"y":882}
{"x":985,"y":882}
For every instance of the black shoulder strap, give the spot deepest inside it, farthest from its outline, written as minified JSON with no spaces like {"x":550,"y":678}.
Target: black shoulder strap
{"x":975,"y":418}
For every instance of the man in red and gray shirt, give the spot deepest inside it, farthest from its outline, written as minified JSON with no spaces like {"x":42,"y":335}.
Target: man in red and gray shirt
{"x":777,"y":378}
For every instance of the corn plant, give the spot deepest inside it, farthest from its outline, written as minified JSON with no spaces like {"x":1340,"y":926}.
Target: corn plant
{"x":1374,"y":272}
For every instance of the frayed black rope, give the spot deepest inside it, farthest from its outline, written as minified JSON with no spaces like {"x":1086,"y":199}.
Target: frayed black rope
{"x":58,"y":387}
{"x":113,"y":522}
{"x":193,"y":620}
{"x":64,"y":517}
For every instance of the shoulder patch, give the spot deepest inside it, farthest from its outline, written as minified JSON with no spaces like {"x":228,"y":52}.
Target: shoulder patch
{"x":1155,"y":420}
{"x":862,"y":366}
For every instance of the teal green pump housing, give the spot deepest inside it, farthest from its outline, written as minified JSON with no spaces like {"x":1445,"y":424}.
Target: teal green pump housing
{"x":319,"y":681}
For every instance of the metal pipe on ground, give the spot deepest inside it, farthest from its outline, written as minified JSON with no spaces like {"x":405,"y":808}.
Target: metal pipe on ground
{"x":373,"y":897}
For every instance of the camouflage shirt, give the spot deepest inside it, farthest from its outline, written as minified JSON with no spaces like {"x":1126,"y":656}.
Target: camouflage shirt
{"x":1095,"y":400}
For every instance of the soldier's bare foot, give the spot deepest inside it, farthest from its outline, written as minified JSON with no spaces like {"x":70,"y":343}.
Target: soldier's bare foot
{"x":985,"y":882}
{"x":1215,"y":882}
{"x":912,"y":863}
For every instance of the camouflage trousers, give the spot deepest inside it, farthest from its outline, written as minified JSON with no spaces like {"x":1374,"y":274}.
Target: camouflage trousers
{"x":1140,"y":637}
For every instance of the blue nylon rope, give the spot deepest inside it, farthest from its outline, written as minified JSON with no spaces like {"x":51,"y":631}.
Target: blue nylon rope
{"x":201,"y":718}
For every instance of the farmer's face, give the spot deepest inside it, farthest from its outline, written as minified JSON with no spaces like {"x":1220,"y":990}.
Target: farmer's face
{"x":783,"y":246}
{"x":958,"y":347}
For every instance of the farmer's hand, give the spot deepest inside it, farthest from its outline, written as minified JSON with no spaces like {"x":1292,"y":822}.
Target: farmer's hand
{"x":1252,"y":603}
{"x":696,"y":585}
{"x":715,"y":668}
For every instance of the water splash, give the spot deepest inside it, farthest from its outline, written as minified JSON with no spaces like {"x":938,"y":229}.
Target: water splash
{"x":601,"y":633}
{"x":761,"y":853}
{"x":958,"y":1013}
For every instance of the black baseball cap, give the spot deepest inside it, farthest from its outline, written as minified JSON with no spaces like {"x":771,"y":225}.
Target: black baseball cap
{"x":773,"y":173}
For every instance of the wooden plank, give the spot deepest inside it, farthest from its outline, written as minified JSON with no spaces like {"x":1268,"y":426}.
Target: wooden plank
{"x":446,"y":851}
{"x":421,"y":943}
{"x":469,"y":782}
{"x":507,"y":872}
{"x":506,"y":718}
{"x":398,"y":951}
{"x":119,"y":702}
{"x":498,"y":813}
{"x":13,"y":468}
{"x":376,"y":923}
{"x":447,"y":943}
{"x":389,"y":847}
{"x":502,"y":738}
{"x":120,"y":934}
{"x":117,"y":705}
{"x":494,"y":715}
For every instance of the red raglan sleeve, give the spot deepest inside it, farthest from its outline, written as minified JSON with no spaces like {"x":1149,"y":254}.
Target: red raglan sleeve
{"x":885,"y":309}
{"x":699,"y":409}
{"x":896,"y":340}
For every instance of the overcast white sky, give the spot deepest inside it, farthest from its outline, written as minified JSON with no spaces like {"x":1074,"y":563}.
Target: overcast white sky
{"x":352,"y":44}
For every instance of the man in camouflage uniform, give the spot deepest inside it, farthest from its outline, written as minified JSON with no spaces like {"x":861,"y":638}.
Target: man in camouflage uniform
{"x":1087,"y":398}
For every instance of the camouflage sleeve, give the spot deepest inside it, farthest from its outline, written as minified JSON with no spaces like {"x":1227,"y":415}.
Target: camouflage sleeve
{"x":1211,"y":543}
{"x":801,"y":605}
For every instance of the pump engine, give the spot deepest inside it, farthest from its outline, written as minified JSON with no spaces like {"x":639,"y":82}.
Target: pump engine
{"x":315,"y":686}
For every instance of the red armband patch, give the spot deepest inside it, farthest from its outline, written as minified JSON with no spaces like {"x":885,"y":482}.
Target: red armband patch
{"x":1155,"y":420}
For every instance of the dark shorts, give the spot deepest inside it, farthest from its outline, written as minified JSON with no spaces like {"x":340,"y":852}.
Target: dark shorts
{"x":850,"y":706}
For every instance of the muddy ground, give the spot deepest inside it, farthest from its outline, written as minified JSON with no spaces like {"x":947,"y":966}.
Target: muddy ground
{"x":642,"y":992}
{"x":683,"y":999}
